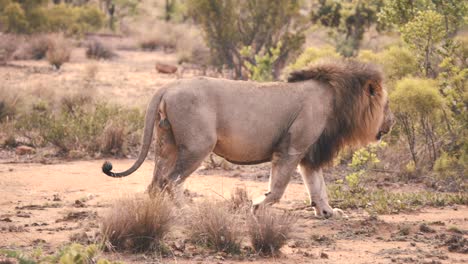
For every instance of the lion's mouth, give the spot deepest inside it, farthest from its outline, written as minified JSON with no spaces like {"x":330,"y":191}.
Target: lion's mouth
{"x":380,"y":134}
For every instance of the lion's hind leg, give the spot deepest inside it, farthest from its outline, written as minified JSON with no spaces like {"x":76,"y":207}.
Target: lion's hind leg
{"x":165,"y":157}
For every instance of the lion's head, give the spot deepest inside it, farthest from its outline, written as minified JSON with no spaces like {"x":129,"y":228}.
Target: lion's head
{"x":360,"y":106}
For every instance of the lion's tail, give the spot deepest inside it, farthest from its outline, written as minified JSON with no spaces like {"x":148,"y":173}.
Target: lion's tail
{"x":151,"y":116}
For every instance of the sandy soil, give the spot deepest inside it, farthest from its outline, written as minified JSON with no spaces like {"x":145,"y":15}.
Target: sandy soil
{"x":39,"y":208}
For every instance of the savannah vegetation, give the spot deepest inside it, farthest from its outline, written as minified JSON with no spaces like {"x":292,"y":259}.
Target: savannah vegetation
{"x":421,"y":46}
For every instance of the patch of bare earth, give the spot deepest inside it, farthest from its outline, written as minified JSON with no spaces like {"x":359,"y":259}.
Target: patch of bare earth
{"x":51,"y":205}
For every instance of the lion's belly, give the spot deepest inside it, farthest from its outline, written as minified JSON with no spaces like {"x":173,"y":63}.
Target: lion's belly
{"x":241,"y":150}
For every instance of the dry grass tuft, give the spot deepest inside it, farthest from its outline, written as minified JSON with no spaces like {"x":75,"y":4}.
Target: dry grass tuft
{"x":269,"y":231}
{"x":95,"y":49}
{"x":240,"y":200}
{"x":112,"y":140}
{"x":8,"y":104}
{"x":139,"y":223}
{"x":211,"y":224}
{"x":59,"y":50}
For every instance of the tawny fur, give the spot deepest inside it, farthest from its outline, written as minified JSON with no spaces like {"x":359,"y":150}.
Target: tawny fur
{"x":304,"y":122}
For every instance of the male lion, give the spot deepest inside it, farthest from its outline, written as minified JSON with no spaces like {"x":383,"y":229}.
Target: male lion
{"x":304,"y":122}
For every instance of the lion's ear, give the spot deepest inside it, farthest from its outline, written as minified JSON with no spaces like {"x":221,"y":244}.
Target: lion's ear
{"x":371,"y":88}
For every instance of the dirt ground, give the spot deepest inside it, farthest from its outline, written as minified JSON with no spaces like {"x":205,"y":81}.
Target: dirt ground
{"x":48,"y":205}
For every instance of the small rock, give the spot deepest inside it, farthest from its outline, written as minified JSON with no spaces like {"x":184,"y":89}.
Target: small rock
{"x":6,"y":219}
{"x":24,"y":150}
{"x":56,"y":198}
{"x":323,"y":255}
{"x":413,"y":244}
{"x":23,"y":214}
{"x":426,"y":229}
{"x":165,"y":68}
{"x":292,"y":244}
{"x":179,"y":245}
{"x":79,"y":204}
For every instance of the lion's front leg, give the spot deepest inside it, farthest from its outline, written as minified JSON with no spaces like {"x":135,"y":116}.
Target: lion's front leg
{"x":317,"y":190}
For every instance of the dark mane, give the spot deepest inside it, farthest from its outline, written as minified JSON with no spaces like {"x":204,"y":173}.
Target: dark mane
{"x":351,"y":115}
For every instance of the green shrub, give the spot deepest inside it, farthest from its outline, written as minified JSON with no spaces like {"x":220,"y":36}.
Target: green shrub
{"x":397,"y":62}
{"x":261,"y":68}
{"x":14,"y":18}
{"x":36,"y":16}
{"x":70,"y":254}
{"x":230,"y":25}
{"x":311,"y":55}
{"x":76,"y":123}
{"x":417,"y":105}
{"x":449,"y":173}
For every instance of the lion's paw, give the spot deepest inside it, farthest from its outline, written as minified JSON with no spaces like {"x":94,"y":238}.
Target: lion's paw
{"x":339,"y":214}
{"x":334,"y":213}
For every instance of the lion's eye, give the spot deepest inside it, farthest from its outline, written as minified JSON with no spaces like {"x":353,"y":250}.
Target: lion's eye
{"x":371,"y":90}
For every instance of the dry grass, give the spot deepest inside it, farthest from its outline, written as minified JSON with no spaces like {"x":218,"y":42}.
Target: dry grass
{"x":240,"y":200}
{"x":96,"y":49}
{"x":8,"y":45}
{"x":59,"y":50}
{"x":269,"y":231}
{"x":8,"y":104}
{"x":112,"y":140}
{"x":139,"y":223}
{"x":211,"y":224}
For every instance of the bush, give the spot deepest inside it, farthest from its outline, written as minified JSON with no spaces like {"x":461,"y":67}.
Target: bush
{"x":449,"y":174}
{"x":231,"y":25}
{"x":8,"y":104}
{"x":311,"y":55}
{"x":192,"y":49}
{"x":8,"y":45}
{"x":33,"y":48}
{"x":269,"y":231}
{"x":211,"y":224}
{"x":139,"y":223}
{"x":165,"y":36}
{"x":75,"y":123}
{"x":398,"y":62}
{"x":59,"y":51}
{"x":37,"y":16}
{"x":113,"y":139}
{"x":70,"y":254}
{"x":95,"y":49}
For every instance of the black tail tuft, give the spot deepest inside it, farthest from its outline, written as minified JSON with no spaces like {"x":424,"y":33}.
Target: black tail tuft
{"x":106,"y":168}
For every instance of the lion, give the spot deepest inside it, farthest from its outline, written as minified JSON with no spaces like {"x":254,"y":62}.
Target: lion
{"x":303,"y":122}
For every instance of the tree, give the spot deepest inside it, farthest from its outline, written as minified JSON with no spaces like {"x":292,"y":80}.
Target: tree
{"x":118,"y":9}
{"x":422,"y":34}
{"x":33,"y":16}
{"x":349,"y":20}
{"x":417,"y":105}
{"x":230,"y":25}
